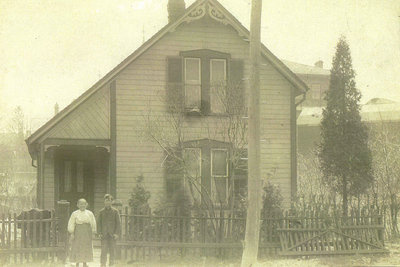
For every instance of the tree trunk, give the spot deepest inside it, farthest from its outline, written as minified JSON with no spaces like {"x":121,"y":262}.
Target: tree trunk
{"x":393,"y":214}
{"x":250,"y":250}
{"x":345,"y":205}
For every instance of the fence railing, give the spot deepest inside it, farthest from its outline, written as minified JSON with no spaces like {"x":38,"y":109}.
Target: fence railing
{"x":312,"y":235}
{"x":34,"y":235}
{"x":149,"y":236}
{"x":28,"y":237}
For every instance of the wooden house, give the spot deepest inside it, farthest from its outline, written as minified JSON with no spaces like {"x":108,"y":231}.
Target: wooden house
{"x":96,"y":146}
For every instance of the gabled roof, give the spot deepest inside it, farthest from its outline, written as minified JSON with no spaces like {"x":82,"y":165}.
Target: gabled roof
{"x":223,"y":16}
{"x":299,"y":68}
{"x":374,"y":111}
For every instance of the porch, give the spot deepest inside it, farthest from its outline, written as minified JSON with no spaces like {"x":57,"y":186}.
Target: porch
{"x":70,"y":169}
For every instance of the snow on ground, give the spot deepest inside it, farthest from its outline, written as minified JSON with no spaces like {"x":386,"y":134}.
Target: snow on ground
{"x":391,"y":259}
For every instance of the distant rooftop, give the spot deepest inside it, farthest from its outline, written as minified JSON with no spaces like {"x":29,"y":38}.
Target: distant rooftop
{"x":376,"y":109}
{"x":299,"y":68}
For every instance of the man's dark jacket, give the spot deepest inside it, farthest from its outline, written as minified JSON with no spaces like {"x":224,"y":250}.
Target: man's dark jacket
{"x":108,"y":222}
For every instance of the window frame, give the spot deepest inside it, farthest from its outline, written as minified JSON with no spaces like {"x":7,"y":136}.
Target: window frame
{"x":200,"y":159}
{"x":316,"y":91}
{"x":224,"y":85}
{"x":185,"y":183}
{"x":205,"y":56}
{"x":225,"y":67}
{"x":227,"y":162}
{"x":192,"y":82}
{"x":213,"y":190}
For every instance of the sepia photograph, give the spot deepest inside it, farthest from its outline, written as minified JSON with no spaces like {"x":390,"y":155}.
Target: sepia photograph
{"x":238,"y":133}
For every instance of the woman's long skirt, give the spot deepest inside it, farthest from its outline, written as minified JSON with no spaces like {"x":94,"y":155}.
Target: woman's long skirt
{"x":82,"y":247}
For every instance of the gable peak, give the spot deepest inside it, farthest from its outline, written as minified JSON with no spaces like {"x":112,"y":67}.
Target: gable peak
{"x":210,"y":8}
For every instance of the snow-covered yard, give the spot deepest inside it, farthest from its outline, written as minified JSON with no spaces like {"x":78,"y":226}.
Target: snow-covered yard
{"x":392,"y":259}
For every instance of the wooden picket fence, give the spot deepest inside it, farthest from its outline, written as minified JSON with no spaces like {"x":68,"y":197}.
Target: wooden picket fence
{"x":149,"y":237}
{"x":29,"y":237}
{"x":312,"y":235}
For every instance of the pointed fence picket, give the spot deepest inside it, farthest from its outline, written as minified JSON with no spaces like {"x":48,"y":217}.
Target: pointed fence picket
{"x":29,"y":237}
{"x":149,"y":236}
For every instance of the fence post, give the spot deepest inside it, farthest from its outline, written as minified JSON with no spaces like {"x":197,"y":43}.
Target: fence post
{"x":118,"y":205}
{"x":62,"y":213}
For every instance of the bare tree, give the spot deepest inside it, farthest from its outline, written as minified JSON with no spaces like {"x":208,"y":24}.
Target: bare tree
{"x":311,"y":184}
{"x":16,"y":123}
{"x":169,"y":130}
{"x":385,"y":146}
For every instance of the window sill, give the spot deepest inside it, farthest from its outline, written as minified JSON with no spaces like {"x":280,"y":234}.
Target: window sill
{"x":195,"y":112}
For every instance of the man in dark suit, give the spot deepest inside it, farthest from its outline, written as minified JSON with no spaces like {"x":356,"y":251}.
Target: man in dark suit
{"x":108,"y":228}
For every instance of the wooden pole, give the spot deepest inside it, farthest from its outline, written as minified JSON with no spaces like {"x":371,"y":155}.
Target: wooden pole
{"x":250,"y":250}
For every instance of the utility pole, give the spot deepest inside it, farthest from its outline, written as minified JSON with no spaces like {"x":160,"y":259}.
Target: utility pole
{"x":250,"y":251}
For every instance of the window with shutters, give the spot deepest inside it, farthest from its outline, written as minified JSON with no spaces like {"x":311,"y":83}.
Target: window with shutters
{"x":193,"y":84}
{"x":206,"y":171}
{"x":200,"y":81}
{"x":218,"y":96}
{"x":192,"y":174}
{"x":219,"y":174}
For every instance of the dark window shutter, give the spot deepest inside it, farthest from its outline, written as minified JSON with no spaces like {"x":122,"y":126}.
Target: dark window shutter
{"x":175,"y":100}
{"x":235,"y":90}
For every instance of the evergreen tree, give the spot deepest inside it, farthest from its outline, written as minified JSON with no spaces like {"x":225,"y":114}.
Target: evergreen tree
{"x":344,"y":153}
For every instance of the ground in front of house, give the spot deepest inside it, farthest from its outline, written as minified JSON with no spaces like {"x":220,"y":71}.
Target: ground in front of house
{"x":391,"y":259}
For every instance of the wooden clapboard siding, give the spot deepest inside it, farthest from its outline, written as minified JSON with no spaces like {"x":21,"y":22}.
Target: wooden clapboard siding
{"x":48,"y":180}
{"x":100,"y":178}
{"x":275,"y":130}
{"x":89,"y":121}
{"x":141,"y":87}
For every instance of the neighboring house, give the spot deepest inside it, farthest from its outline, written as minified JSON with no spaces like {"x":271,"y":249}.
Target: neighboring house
{"x":95,"y":146}
{"x":375,"y":112}
{"x":317,"y":79}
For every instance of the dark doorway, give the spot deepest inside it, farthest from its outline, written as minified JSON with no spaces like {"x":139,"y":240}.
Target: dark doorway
{"x":75,"y":175}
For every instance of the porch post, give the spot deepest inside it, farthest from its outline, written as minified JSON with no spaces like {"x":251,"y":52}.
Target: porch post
{"x":38,"y":177}
{"x":63,"y":213}
{"x":40,"y":182}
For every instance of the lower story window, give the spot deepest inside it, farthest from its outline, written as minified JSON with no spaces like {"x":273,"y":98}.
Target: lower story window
{"x":206,"y":174}
{"x":192,"y":172}
{"x":219,"y":174}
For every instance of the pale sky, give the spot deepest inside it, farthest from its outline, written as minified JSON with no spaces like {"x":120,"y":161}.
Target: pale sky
{"x":53,"y":50}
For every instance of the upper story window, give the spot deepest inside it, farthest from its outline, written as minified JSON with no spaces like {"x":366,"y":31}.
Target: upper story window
{"x":201,"y":81}
{"x":218,"y":96}
{"x":192,"y":84}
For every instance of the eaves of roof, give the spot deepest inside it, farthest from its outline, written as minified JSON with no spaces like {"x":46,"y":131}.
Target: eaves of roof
{"x":281,"y":67}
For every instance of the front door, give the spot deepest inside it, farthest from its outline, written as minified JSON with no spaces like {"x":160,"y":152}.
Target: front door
{"x":75,"y":177}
